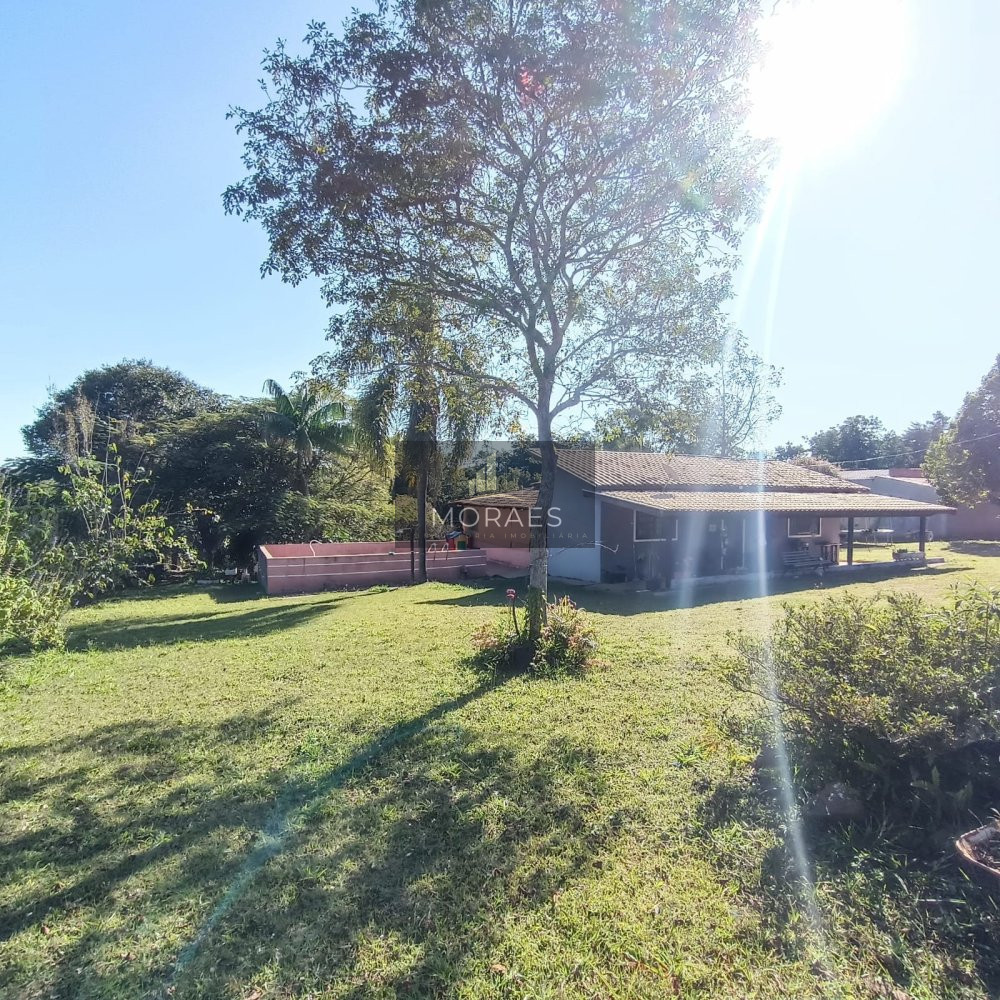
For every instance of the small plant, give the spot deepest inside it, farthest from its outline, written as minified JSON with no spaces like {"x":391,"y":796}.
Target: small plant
{"x":566,"y":645}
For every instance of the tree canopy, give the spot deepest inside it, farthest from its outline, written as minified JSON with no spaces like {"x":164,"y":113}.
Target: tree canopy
{"x":864,"y":442}
{"x":720,"y":410}
{"x":225,"y":473}
{"x":121,"y":400}
{"x":964,"y":462}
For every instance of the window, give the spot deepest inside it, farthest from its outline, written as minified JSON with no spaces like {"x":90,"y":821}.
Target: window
{"x":648,"y":527}
{"x":803,"y":526}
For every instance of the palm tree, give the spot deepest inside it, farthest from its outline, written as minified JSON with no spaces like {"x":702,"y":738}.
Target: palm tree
{"x":406,"y":390}
{"x":310,"y":420}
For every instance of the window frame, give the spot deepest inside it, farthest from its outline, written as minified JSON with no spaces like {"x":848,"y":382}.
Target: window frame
{"x":658,"y":517}
{"x":805,"y":534}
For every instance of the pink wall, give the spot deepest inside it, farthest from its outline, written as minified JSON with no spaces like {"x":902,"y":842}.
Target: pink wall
{"x":301,"y":568}
{"x":332,"y":548}
{"x":516,"y":558}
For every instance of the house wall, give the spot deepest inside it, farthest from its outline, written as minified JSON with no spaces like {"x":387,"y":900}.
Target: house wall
{"x":573,"y":550}
{"x":752,"y":539}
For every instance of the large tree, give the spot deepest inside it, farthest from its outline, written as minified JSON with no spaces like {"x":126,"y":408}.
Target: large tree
{"x":919,"y":436}
{"x":720,"y":410}
{"x":568,"y":180}
{"x":857,"y":442}
{"x":964,"y":462}
{"x":120,"y":402}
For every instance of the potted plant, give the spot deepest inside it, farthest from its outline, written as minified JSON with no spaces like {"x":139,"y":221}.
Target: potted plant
{"x":979,"y":852}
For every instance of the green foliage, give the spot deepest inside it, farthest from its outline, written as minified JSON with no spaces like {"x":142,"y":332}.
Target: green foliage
{"x":919,"y":436}
{"x":298,"y":517}
{"x":566,"y":645}
{"x":861,"y":442}
{"x":889,"y":691}
{"x":500,"y":647}
{"x":118,"y":403}
{"x":310,"y":419}
{"x":857,"y":442}
{"x":408,"y":409}
{"x":122,"y":540}
{"x":34,"y":591}
{"x":224,"y":474}
{"x":964,"y":462}
{"x":74,"y":539}
{"x":720,"y":409}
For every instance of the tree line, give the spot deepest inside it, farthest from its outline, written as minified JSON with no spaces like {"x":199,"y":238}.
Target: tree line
{"x":960,"y":455}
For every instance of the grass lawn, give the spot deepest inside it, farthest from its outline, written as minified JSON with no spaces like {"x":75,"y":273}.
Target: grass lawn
{"x":214,"y":794}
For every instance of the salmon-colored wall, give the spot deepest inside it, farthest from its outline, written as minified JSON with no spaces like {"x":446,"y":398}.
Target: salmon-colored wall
{"x":516,"y":558}
{"x":332,"y":566}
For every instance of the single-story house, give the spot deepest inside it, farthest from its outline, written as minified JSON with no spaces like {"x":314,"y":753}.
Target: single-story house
{"x":617,"y":516}
{"x":980,"y":521}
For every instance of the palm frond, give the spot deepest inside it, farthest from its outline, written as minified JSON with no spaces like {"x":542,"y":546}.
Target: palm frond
{"x":334,"y":439}
{"x":372,"y":417}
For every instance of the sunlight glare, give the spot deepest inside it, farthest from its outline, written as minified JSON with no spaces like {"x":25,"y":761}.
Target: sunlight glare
{"x":831,"y":69}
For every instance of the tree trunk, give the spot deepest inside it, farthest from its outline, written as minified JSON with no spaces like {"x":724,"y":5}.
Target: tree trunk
{"x":422,"y":520}
{"x":538,"y":579}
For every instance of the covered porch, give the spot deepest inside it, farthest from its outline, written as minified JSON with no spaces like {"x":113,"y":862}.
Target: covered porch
{"x":661,"y":536}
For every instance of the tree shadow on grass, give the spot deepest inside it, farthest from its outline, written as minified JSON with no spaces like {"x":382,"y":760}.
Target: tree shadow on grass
{"x":406,"y":884}
{"x":107,"y":835}
{"x":119,"y":844}
{"x":624,"y":603}
{"x":208,"y":626}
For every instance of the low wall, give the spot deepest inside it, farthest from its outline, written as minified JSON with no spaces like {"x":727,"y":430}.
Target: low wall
{"x":517,"y":558}
{"x":307,"y":568}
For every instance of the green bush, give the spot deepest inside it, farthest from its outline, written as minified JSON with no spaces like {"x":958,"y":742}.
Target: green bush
{"x":301,"y":518}
{"x":30,"y":616}
{"x":500,"y":648}
{"x":890,"y":694}
{"x":34,"y":592}
{"x":566,"y":646}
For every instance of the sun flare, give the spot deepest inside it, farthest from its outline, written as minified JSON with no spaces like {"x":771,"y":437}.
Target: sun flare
{"x":831,"y":70}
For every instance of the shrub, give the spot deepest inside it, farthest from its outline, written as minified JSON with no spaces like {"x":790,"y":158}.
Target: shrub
{"x":73,"y":540}
{"x":499,"y":648}
{"x":34,"y":592}
{"x":566,"y":645}
{"x":890,"y":690}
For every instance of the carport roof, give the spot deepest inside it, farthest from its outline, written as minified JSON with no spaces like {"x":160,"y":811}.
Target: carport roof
{"x":736,"y":502}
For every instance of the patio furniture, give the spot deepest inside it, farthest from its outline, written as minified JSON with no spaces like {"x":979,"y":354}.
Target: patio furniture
{"x":798,"y":562}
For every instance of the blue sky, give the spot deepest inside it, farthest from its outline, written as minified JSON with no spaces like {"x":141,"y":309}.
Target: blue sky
{"x":114,"y":242}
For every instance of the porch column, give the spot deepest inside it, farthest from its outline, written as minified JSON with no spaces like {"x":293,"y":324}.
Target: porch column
{"x":850,"y":541}
{"x":923,"y":534}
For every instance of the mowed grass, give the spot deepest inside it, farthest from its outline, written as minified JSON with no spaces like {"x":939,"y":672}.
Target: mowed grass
{"x":215,"y":794}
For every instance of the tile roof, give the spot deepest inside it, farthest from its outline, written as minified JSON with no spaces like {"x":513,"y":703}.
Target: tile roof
{"x":526,"y":498}
{"x":727,"y":502}
{"x":637,"y":469}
